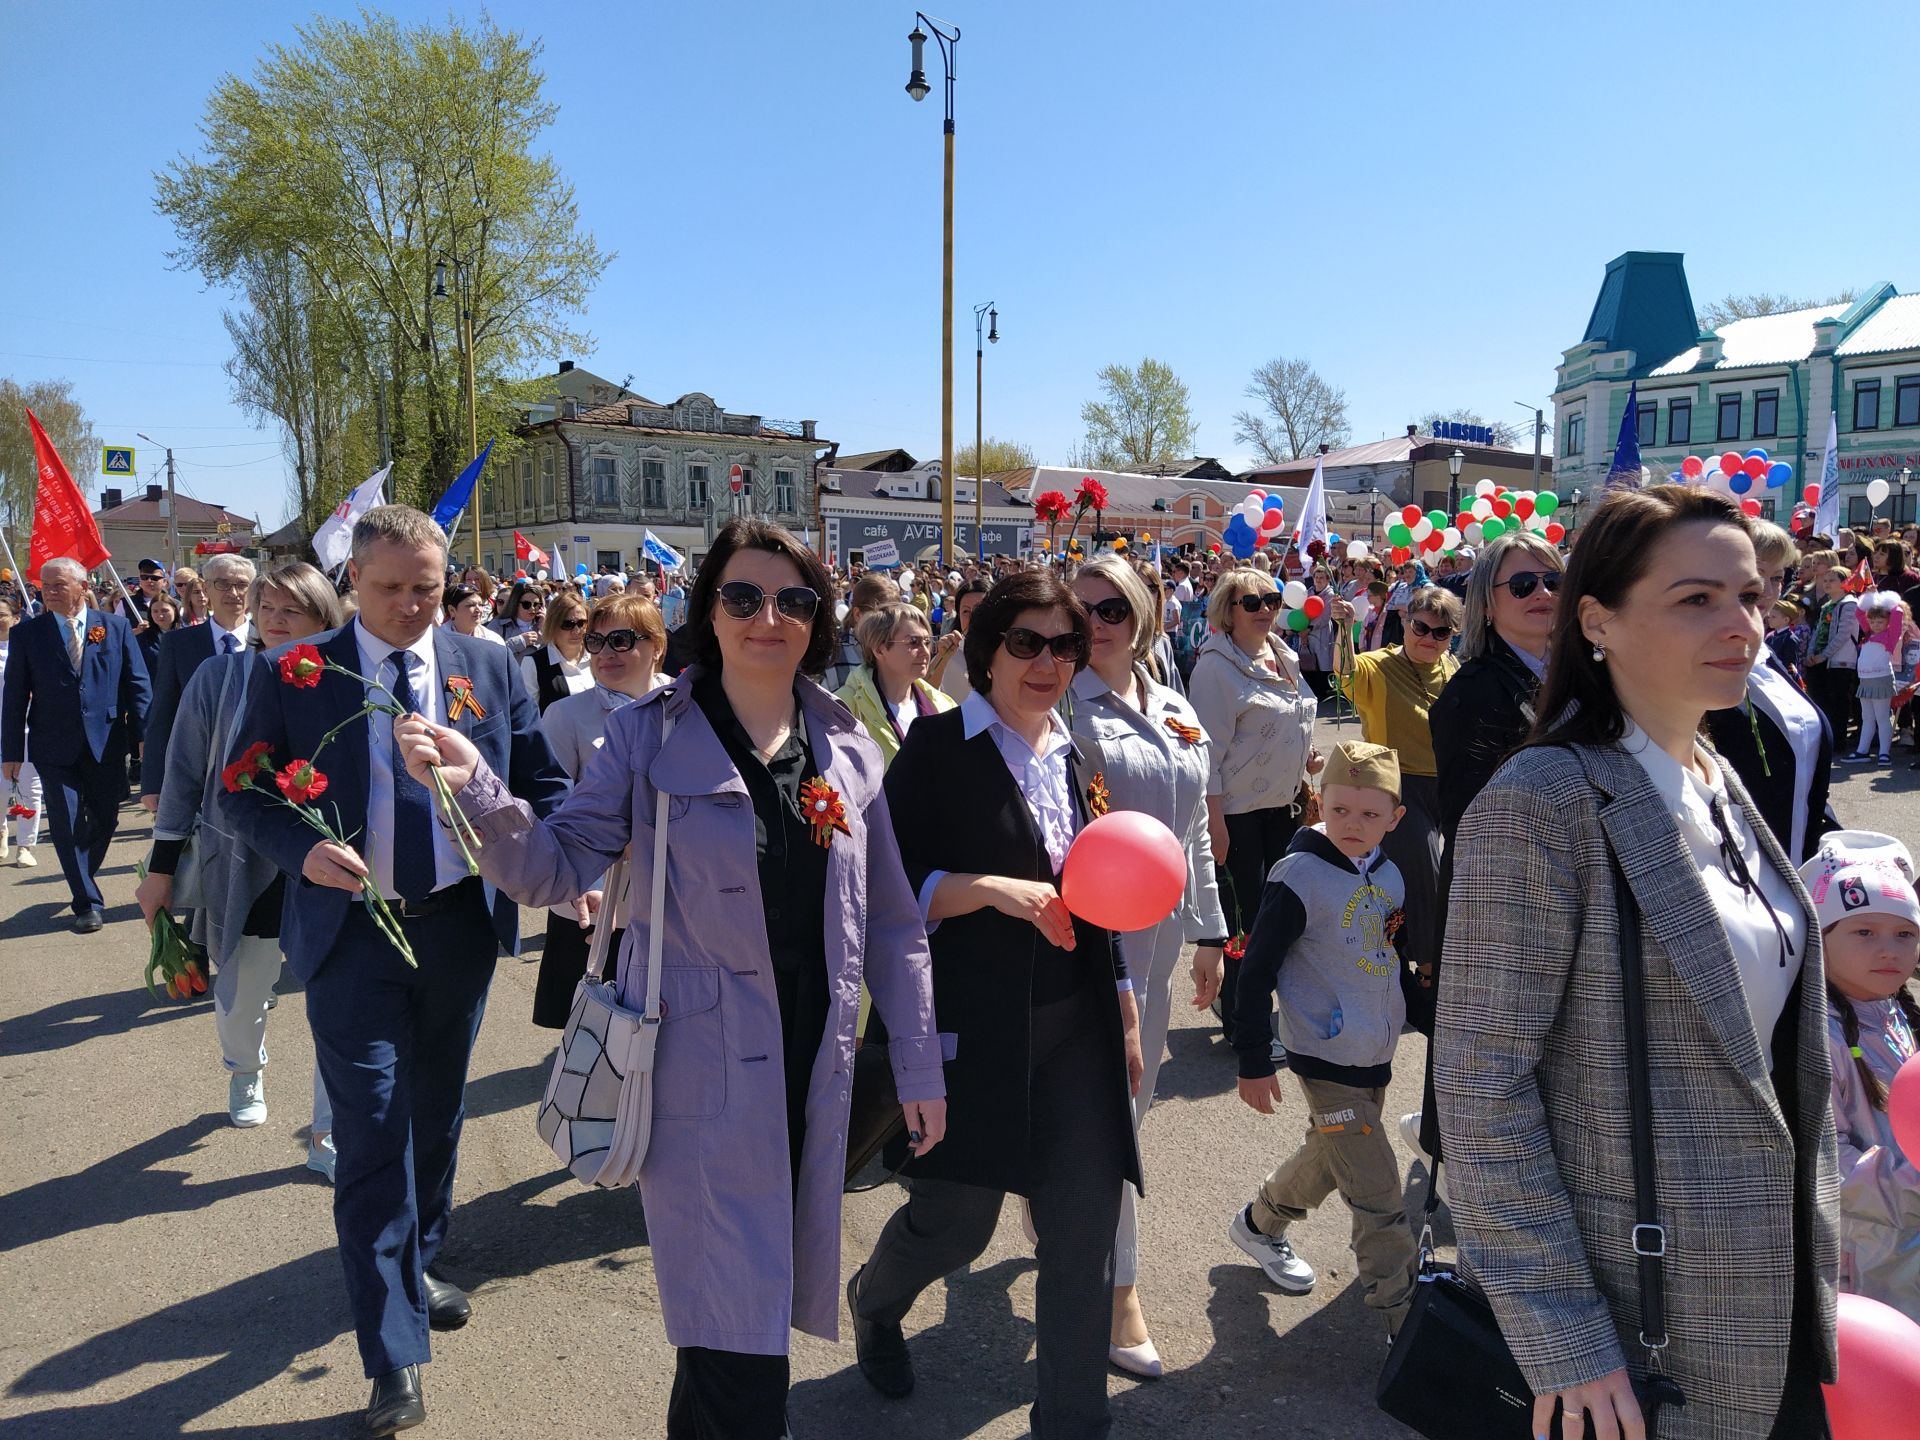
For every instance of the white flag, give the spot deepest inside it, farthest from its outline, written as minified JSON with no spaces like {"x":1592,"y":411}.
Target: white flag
{"x":1313,"y":513}
{"x":661,"y":553}
{"x":1826,"y":515}
{"x":333,"y":541}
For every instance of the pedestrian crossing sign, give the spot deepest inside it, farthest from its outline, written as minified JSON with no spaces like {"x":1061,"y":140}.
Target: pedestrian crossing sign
{"x":116,"y":460}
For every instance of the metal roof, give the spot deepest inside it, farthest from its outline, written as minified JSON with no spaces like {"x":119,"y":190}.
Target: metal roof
{"x":1760,"y":340}
{"x":1894,"y":326}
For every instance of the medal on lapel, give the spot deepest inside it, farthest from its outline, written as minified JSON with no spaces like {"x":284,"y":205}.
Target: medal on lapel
{"x":96,"y":634}
{"x":1098,"y":800}
{"x":1189,"y":734}
{"x":461,"y":701}
{"x":826,"y":812}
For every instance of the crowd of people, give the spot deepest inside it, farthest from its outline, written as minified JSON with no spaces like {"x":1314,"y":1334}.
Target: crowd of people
{"x":1556,"y":743}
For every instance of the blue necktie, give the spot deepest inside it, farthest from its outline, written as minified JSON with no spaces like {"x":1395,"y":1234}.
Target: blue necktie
{"x":413,"y":868}
{"x":229,"y":644}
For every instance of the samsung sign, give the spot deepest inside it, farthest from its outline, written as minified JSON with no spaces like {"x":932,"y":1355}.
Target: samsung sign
{"x":1467,"y":434}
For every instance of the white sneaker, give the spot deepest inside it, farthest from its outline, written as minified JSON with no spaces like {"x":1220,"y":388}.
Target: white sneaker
{"x":247,"y":1100}
{"x":1410,"y":1136}
{"x":1275,"y":1255}
{"x":321,"y":1156}
{"x":25,"y":858}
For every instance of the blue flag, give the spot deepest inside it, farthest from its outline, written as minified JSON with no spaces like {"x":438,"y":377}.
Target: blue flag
{"x":1625,"y":471}
{"x":461,"y":491}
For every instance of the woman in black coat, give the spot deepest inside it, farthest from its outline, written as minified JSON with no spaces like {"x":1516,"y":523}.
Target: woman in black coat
{"x":1046,"y":1040}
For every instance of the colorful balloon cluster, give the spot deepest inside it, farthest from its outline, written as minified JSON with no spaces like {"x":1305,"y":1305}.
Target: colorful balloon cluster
{"x":1495,"y":511}
{"x":1735,"y":475}
{"x":1255,"y":521}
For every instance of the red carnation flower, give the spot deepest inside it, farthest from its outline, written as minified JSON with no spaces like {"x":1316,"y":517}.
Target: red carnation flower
{"x":239,"y":775}
{"x":1092,"y":494}
{"x":302,"y":666}
{"x":1051,"y":505}
{"x":300,"y":782}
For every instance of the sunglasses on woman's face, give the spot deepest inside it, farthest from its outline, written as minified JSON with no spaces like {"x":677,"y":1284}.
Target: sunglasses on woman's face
{"x":1068,"y":645}
{"x":1429,"y":632}
{"x":579,"y":622}
{"x":618,"y":641}
{"x":528,"y":602}
{"x":1114,"y":610}
{"x":1254,"y":604}
{"x":1526,"y":582}
{"x":743,"y":600}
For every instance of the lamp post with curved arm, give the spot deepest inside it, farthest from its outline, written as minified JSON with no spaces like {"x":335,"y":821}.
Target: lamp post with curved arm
{"x":948,"y":38}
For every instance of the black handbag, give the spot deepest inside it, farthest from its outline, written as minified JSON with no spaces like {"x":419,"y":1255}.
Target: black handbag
{"x":874,"y":1119}
{"x":1450,"y":1373}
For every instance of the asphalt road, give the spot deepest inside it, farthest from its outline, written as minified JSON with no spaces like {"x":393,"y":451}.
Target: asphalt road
{"x":164,"y":1274}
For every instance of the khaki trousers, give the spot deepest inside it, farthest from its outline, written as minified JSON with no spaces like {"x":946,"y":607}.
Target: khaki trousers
{"x":1346,"y":1149}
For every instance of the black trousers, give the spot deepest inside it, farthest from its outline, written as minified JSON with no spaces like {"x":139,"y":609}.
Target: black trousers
{"x":1255,"y":842}
{"x":1833,"y":692}
{"x":723,"y":1395}
{"x":1077,"y":1158}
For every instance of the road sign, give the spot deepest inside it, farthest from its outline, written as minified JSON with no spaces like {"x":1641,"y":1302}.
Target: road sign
{"x":116,"y":460}
{"x":735,"y":479}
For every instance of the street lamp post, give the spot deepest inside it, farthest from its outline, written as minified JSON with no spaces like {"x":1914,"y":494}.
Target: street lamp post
{"x":1901,"y":514}
{"x":1574,"y":501}
{"x":1454,"y":462}
{"x":992,"y":317}
{"x":948,"y":38}
{"x":1373,"y":503}
{"x":461,"y":278}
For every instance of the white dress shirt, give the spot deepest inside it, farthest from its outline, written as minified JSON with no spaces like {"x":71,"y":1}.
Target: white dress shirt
{"x":220,"y":633}
{"x":377,"y":847}
{"x":1783,"y":703}
{"x":1748,"y":919}
{"x":577,"y":673}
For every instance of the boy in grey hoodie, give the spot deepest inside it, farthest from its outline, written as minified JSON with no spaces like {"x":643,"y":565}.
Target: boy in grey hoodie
{"x":1325,"y":937}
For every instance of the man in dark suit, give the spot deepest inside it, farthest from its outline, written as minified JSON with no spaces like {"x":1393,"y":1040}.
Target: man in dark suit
{"x":183,"y":651}
{"x":75,"y":679}
{"x":393,"y":1042}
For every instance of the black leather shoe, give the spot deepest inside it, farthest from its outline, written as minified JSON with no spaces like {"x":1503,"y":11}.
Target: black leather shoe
{"x":396,"y":1402}
{"x":86,"y":922}
{"x":447,"y":1305}
{"x":881,"y":1350}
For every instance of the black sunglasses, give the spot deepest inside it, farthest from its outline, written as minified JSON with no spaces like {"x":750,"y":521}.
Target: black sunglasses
{"x":1430,"y":632}
{"x":1254,"y":604}
{"x":618,"y":641}
{"x":1114,"y":610}
{"x":1527,"y":581}
{"x":743,"y":600}
{"x":579,"y":622}
{"x":532,"y":602}
{"x":1068,"y":645}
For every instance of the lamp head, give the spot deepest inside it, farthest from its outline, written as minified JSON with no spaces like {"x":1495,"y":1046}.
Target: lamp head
{"x":1454,"y":462}
{"x":439,"y":279}
{"x":993,"y":326}
{"x":917,"y":85}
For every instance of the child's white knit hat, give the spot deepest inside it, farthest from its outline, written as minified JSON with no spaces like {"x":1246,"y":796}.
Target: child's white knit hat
{"x":1859,"y":872}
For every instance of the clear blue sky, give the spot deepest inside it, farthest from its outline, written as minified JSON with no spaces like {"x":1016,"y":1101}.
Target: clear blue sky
{"x":1418,"y":198}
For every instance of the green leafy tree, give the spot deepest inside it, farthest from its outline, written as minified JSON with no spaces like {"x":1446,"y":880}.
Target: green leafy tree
{"x":393,"y":170}
{"x":1299,"y":411}
{"x":1144,"y":418}
{"x":66,"y":424}
{"x":1000,"y":455}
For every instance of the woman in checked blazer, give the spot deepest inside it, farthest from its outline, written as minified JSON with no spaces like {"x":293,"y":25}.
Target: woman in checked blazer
{"x":1659,"y":623}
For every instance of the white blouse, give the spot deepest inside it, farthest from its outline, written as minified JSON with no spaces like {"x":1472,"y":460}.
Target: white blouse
{"x":1800,"y":723}
{"x":1754,"y":923}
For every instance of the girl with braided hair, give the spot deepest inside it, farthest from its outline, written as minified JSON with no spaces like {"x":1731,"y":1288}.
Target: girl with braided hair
{"x":1862,"y":887}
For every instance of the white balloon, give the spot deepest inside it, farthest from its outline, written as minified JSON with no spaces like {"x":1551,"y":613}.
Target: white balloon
{"x":1484,"y":488}
{"x":1356,"y":550}
{"x":1877,"y":491}
{"x":1294,"y":596}
{"x":1473,"y":534}
{"x":1450,"y":538}
{"x":1482,"y":508}
{"x":1423,"y":529}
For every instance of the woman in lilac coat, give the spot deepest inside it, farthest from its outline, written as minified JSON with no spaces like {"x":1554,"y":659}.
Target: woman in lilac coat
{"x":771,"y":923}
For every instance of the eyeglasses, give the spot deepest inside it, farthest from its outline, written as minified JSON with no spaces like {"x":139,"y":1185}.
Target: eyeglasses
{"x":1527,"y":581}
{"x":1114,"y":610}
{"x":579,"y":622}
{"x":743,"y":600}
{"x":915,"y":642}
{"x":1024,"y":644}
{"x":232,"y":587}
{"x":1429,"y":632}
{"x":1254,"y":604}
{"x":531,"y":602}
{"x":618,"y":641}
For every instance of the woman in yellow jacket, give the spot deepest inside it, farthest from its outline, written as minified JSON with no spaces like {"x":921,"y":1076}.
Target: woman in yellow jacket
{"x":889,"y":691}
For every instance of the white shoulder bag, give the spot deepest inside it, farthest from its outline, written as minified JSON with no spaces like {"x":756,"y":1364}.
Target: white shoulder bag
{"x":597,"y":1114}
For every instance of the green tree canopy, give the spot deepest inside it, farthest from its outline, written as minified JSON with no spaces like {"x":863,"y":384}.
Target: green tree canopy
{"x":1144,"y":419}
{"x":999,"y":455}
{"x":389,"y":176}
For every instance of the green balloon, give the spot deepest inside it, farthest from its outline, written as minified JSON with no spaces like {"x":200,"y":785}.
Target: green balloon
{"x":1439,"y":519}
{"x":1399,"y":534}
{"x":1297,"y":620}
{"x":1545,"y":503}
{"x":1492,"y":528}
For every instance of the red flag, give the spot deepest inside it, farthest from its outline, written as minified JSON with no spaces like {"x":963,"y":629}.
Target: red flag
{"x":1861,"y":581}
{"x":526,"y":551}
{"x":62,"y":523}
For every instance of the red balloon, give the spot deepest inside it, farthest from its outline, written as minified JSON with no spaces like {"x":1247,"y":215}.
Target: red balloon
{"x":1755,"y":466}
{"x":1401,"y":554}
{"x":1271,"y":519}
{"x":1464,"y":519}
{"x":1125,"y":871}
{"x":1523,"y":507}
{"x":1502,"y":508}
{"x":1878,"y":1391}
{"x":1813,"y":493}
{"x":1411,"y":515}
{"x":1903,"y":1108}
{"x":1434,"y":541}
{"x":1731,"y":461}
{"x":1315,"y":607}
{"x":1556,"y":532}
{"x":1750,"y":506}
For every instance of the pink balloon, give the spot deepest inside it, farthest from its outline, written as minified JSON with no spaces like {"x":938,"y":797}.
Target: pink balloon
{"x":1693,"y":467}
{"x":1878,"y":1392}
{"x":1125,"y":871}
{"x":1903,"y":1109}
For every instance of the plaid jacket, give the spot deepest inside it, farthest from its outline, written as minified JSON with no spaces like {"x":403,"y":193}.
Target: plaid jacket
{"x":1529,"y":1071}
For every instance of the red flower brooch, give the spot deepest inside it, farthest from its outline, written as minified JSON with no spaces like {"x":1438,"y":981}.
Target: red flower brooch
{"x":1189,"y":734}
{"x":96,"y":634}
{"x":826,"y":812}
{"x":1098,"y":800}
{"x":460,"y":699}
{"x":302,"y":667}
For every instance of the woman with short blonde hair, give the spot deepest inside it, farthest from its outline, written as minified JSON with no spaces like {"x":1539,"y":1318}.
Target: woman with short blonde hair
{"x":889,"y":691}
{"x":559,"y":668}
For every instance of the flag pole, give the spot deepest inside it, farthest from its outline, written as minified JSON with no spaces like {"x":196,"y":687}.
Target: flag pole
{"x":13,"y":564}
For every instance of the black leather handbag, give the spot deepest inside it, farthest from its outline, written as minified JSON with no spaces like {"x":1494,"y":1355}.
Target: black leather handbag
{"x":1450,"y":1373}
{"x":874,"y":1119}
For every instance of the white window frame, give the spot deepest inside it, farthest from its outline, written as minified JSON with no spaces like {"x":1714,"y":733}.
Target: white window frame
{"x":783,"y":486}
{"x":609,"y":498}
